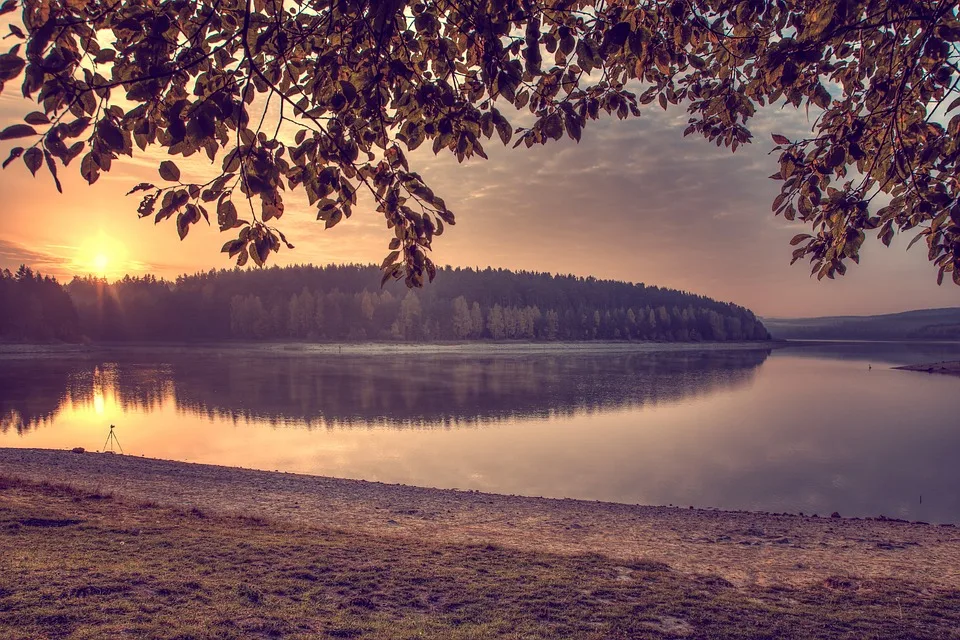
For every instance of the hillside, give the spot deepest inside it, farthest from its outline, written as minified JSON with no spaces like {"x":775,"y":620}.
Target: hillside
{"x":347,"y":302}
{"x":924,"y":324}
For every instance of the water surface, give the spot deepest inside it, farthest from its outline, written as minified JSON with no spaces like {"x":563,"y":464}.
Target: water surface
{"x":815,"y":429}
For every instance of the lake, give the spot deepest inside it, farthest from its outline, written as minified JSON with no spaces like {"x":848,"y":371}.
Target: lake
{"x":811,"y":428}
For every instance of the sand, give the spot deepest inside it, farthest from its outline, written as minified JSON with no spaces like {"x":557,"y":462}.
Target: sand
{"x":948,"y":367}
{"x":747,"y":549}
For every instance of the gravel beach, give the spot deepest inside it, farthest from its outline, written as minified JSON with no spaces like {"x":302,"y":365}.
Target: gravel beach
{"x":747,"y":549}
{"x":948,"y":367}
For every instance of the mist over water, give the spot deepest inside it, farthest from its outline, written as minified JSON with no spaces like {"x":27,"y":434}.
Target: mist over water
{"x":814,"y":429}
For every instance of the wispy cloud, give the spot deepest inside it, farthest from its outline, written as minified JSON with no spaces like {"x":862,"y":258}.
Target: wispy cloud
{"x":13,"y":254}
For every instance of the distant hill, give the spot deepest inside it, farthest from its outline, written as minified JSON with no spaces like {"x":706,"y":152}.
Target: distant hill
{"x":925,"y":324}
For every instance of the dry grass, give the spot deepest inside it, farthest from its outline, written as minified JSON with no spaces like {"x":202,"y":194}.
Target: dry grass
{"x":746,"y":549}
{"x":75,"y":564}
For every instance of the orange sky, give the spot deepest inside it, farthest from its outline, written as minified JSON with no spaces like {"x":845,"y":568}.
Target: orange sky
{"x":633,"y":201}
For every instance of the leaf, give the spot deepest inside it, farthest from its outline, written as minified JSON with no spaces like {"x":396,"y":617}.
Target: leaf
{"x":75,"y":128}
{"x":821,"y":97}
{"x":143,"y":186}
{"x":52,"y":166}
{"x":334,"y":218}
{"x":183,"y":227}
{"x":386,"y":276}
{"x":89,"y":169}
{"x":617,"y":36}
{"x":227,"y":215}
{"x":263,"y":250}
{"x":169,"y":171}
{"x":779,"y":200}
{"x":35,"y":117}
{"x":190,"y":215}
{"x":553,"y":126}
{"x":271,"y":205}
{"x":917,"y":237}
{"x":112,"y":136}
{"x":33,"y":158}
{"x":10,"y":66}
{"x":75,"y":150}
{"x":17,"y":131}
{"x":573,"y":127}
{"x":779,"y":139}
{"x":837,"y":157}
{"x":504,"y":130}
{"x":15,"y":153}
{"x":800,"y":237}
{"x":390,"y":259}
{"x":233,"y":247}
{"x":283,"y":238}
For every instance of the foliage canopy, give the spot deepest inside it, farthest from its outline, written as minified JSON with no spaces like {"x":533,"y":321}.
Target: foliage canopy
{"x":329,"y":96}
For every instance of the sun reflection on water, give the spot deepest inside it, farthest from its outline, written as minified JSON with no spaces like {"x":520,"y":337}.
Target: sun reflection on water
{"x":98,"y":401}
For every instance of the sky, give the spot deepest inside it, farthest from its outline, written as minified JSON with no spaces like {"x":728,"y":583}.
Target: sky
{"x":633,"y":201}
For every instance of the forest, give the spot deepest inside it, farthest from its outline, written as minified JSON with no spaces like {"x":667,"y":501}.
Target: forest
{"x":347,"y":302}
{"x":35,"y":308}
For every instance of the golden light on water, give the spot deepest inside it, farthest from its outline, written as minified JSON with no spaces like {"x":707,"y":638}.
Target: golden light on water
{"x":98,"y":403}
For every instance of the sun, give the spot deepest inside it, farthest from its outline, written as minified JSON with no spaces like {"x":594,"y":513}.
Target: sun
{"x":100,"y":263}
{"x":101,"y":255}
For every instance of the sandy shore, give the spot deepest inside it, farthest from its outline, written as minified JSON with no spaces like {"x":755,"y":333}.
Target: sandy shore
{"x":748,"y":549}
{"x":948,"y":367}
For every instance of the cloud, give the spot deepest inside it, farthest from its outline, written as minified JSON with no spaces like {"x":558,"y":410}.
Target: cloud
{"x":13,"y":254}
{"x":635,"y":200}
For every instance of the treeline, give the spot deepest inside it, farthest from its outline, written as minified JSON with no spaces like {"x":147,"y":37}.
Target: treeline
{"x":35,"y":308}
{"x":347,"y":303}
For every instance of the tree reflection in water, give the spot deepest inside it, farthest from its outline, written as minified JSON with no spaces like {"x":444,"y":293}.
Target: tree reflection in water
{"x":358,"y":391}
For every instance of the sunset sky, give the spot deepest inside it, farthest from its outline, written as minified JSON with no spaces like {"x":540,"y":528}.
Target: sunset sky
{"x":633,"y":201}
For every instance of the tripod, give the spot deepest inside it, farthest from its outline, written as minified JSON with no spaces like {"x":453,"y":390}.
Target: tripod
{"x":111,"y":440}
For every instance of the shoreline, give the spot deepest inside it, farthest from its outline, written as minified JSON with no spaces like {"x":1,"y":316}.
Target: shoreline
{"x":745,"y":548}
{"x":946,"y":367}
{"x":442,"y":349}
{"x":479,"y":347}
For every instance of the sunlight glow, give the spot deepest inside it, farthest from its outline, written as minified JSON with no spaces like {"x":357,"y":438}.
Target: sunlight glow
{"x":100,"y":262}
{"x":98,"y":404}
{"x":103,"y":256}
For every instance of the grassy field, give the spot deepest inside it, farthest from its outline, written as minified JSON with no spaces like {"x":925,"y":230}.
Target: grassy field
{"x":75,"y":564}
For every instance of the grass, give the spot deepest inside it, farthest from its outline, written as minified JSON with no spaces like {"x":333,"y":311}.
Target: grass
{"x":81,"y":565}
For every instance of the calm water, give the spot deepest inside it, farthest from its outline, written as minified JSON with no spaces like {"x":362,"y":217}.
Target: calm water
{"x":812,"y":429}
